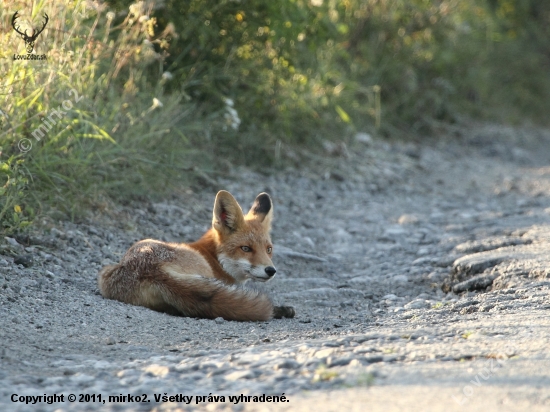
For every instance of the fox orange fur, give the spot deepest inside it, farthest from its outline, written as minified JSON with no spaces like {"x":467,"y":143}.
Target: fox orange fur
{"x":202,"y":279}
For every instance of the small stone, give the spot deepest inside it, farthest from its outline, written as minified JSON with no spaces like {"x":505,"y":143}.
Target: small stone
{"x":364,"y":138}
{"x":486,"y":307}
{"x":417,"y":304}
{"x":339,"y":177}
{"x":394,"y":231}
{"x":363,"y":349}
{"x":475,"y":336}
{"x":435,"y":276}
{"x":400,"y":278}
{"x":45,"y":256}
{"x":423,"y":296}
{"x":12,"y":242}
{"x":57,"y":233}
{"x":331,"y":361}
{"x":245,"y":374}
{"x":423,"y":261}
{"x":157,"y":370}
{"x":463,"y":304}
{"x":446,"y":261}
{"x":110,"y":341}
{"x":25,"y":260}
{"x":93,"y":231}
{"x":407,"y":219}
{"x":467,"y":310}
{"x":287,"y":364}
{"x":373,"y":359}
{"x":323,"y":353}
{"x":219,"y":320}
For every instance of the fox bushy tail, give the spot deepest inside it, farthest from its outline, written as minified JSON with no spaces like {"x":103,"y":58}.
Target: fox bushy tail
{"x":187,"y":295}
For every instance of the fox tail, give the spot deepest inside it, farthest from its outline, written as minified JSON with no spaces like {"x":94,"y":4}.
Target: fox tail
{"x":186,"y":295}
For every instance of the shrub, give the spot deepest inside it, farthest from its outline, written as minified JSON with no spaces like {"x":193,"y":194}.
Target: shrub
{"x":138,"y":97}
{"x":91,"y":120}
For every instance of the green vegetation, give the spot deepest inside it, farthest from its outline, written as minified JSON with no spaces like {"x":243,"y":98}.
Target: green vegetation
{"x":139,"y":98}
{"x":322,"y":374}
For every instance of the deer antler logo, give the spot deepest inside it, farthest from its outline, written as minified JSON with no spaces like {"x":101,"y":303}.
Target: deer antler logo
{"x":29,"y":40}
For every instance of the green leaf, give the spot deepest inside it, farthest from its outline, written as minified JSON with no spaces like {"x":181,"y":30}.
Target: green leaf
{"x":343,"y":115}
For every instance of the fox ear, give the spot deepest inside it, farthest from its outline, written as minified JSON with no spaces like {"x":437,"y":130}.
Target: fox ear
{"x":227,"y":215}
{"x":262,"y":210}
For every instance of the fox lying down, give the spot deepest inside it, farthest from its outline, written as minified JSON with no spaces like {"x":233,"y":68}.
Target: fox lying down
{"x":202,"y":279}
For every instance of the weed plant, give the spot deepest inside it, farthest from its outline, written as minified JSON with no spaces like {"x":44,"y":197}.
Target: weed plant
{"x":141,"y":98}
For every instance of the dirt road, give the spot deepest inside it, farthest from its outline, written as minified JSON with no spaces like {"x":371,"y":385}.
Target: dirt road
{"x":419,"y":274}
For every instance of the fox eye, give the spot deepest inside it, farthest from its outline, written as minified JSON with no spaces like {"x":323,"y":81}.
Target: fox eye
{"x":246,"y":249}
{"x":269,"y":249}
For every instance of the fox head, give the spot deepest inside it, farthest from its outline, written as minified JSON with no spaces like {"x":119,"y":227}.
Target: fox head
{"x":244,"y":245}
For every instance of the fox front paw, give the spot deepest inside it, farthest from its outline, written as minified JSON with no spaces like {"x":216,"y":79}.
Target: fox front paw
{"x":283,"y":312}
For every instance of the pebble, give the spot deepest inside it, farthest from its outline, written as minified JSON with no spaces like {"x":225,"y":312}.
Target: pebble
{"x":12,"y":242}
{"x":417,"y":304}
{"x":364,"y":138}
{"x":57,"y":233}
{"x":157,"y":370}
{"x":237,"y":375}
{"x":372,"y":359}
{"x":287,"y":364}
{"x":25,"y":260}
{"x":331,"y":361}
{"x":408,"y":219}
{"x":400,"y":278}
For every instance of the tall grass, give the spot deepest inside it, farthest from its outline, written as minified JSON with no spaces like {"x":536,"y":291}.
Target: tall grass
{"x":141,"y":97}
{"x":93,"y":120}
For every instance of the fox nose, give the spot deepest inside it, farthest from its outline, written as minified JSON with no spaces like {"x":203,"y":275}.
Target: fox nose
{"x":270,"y":270}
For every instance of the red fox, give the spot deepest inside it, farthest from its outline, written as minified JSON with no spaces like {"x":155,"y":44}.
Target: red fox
{"x":202,"y":279}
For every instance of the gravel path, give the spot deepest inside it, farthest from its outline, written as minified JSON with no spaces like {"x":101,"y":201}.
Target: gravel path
{"x":419,"y":274}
